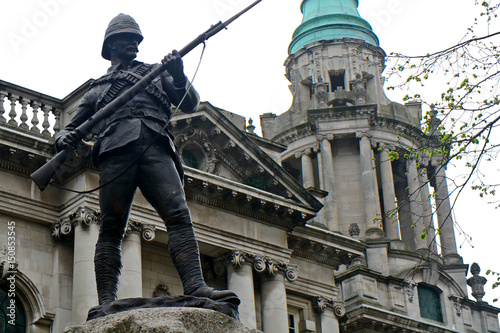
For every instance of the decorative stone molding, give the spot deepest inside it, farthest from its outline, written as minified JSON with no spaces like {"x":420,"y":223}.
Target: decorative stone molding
{"x":410,"y":290}
{"x":354,"y":230}
{"x":81,"y":216}
{"x":321,"y":303}
{"x":457,"y":304}
{"x":358,"y":86}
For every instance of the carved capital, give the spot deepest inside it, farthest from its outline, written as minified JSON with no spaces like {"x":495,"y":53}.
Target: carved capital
{"x":321,"y":303}
{"x":361,"y":135}
{"x":62,"y":229}
{"x":237,"y":258}
{"x":148,"y":232}
{"x":272,"y":266}
{"x":328,"y":137}
{"x":133,"y":225}
{"x":84,"y":216}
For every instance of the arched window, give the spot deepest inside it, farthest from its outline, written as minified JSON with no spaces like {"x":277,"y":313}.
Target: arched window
{"x":429,"y":300}
{"x":12,"y":315}
{"x":190,"y":159}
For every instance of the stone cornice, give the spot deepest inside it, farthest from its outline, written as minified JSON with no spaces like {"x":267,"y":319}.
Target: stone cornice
{"x":320,"y":252}
{"x":27,"y":208}
{"x":360,"y":316}
{"x":245,"y":200}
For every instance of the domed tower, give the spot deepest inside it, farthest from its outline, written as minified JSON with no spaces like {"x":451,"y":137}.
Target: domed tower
{"x":338,"y":133}
{"x":341,"y":125}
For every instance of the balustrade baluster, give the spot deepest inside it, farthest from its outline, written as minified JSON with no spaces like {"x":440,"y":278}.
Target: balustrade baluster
{"x":2,"y":110}
{"x":45,"y":125}
{"x":34,"y":120}
{"x":24,"y":116}
{"x":12,"y":113}
{"x":57,"y":124}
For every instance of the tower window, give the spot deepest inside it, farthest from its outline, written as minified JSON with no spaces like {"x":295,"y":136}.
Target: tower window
{"x":429,"y":300}
{"x":337,"y":79}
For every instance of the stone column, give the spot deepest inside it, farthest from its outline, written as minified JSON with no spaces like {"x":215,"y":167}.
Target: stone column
{"x":240,"y":280}
{"x":274,"y":307}
{"x":428,"y":219}
{"x":328,"y":178}
{"x":329,"y":313}
{"x":85,"y":224}
{"x":131,"y":275}
{"x":445,"y":221}
{"x":415,"y":205}
{"x":369,"y":182}
{"x":307,"y":169}
{"x":391,"y":223}
{"x":273,"y":293}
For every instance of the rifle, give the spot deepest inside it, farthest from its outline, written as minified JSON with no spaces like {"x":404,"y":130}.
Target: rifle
{"x":44,"y":175}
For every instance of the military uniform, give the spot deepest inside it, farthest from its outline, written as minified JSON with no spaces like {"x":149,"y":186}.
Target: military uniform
{"x":135,"y":144}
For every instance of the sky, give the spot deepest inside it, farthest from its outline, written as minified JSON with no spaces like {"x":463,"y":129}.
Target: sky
{"x":54,"y":46}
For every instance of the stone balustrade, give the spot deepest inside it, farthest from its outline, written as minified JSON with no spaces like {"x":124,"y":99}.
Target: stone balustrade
{"x":28,"y":111}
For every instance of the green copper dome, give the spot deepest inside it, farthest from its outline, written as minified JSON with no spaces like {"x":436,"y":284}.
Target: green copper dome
{"x":330,"y":19}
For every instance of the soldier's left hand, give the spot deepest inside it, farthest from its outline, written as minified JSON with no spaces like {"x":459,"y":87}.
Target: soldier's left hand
{"x":175,"y":67}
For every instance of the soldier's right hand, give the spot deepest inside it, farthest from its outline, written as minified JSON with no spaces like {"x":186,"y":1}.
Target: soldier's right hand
{"x":70,"y":139}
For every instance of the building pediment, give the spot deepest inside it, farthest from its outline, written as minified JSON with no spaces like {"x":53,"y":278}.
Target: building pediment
{"x":222,"y":159}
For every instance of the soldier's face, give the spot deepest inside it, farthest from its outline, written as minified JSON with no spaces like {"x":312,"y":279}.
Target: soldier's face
{"x":124,"y":46}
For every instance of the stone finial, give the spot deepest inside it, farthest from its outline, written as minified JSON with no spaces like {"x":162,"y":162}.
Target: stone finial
{"x":250,"y":127}
{"x":477,"y":282}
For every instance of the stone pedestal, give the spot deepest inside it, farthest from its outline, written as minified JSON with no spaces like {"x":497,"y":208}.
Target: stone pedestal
{"x":173,"y":320}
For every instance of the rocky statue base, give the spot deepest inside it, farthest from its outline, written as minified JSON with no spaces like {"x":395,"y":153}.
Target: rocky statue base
{"x":171,"y":320}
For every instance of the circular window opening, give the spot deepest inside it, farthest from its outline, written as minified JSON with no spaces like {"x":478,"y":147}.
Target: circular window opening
{"x":190,"y":159}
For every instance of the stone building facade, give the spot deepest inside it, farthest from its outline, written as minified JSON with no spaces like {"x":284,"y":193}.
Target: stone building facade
{"x":300,"y":223}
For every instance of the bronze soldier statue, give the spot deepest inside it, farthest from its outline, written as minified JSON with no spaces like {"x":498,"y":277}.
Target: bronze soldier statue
{"x":135,"y":144}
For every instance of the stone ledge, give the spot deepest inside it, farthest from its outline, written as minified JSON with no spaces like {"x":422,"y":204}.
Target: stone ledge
{"x":167,"y":320}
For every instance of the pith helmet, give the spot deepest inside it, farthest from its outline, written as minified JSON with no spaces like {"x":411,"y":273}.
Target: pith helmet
{"x":118,"y":25}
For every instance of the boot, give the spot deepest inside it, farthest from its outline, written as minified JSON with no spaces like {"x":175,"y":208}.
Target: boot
{"x":185,"y":255}
{"x":107,"y":262}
